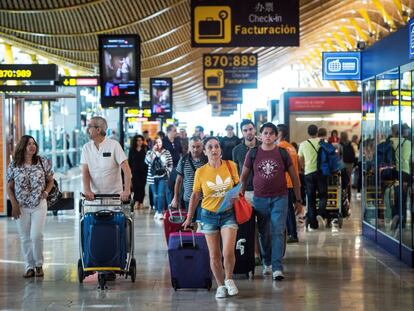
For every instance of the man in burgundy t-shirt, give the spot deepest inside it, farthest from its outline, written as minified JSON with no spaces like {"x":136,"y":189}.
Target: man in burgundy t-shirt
{"x":270,"y":196}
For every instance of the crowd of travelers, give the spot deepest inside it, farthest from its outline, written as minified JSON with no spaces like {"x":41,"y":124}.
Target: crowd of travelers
{"x":195,"y":173}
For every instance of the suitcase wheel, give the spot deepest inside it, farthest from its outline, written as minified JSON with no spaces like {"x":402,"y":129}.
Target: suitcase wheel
{"x":102,"y":281}
{"x":133,"y":270}
{"x":81,"y":273}
{"x":174,"y":284}
{"x":340,"y":221}
{"x":209,"y":284}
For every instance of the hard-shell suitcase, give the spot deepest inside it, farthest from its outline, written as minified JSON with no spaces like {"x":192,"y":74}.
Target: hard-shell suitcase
{"x":189,"y":260}
{"x":245,"y":261}
{"x":173,"y":221}
{"x":104,"y":240}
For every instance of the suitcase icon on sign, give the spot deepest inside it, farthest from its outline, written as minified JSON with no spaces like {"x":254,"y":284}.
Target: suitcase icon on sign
{"x":211,"y":28}
{"x":214,"y":78}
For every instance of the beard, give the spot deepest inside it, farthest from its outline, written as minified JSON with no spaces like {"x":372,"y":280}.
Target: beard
{"x":249,"y":138}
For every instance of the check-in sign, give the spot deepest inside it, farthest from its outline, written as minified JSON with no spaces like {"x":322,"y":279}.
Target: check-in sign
{"x":341,"y":65}
{"x":244,"y":23}
{"x":411,"y":38}
{"x":225,"y":96}
{"x":229,"y":71}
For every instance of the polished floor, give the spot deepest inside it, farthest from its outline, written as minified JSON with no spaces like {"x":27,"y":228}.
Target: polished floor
{"x":329,"y":269}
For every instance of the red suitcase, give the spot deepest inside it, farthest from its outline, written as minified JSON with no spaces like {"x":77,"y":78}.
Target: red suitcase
{"x":173,"y":221}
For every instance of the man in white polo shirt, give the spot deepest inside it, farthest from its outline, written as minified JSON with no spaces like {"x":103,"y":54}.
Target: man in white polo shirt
{"x":102,"y":160}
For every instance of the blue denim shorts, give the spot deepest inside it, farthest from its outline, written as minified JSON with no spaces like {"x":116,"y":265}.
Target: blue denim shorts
{"x":212,"y":222}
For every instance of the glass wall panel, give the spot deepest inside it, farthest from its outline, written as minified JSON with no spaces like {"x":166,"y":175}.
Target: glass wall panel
{"x":404,"y":161}
{"x":387,"y":140}
{"x":368,"y":147}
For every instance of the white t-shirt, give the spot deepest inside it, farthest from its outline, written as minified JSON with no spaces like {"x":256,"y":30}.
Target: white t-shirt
{"x":104,"y":166}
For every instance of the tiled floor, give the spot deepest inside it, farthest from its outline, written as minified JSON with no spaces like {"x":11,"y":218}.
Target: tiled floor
{"x":328,"y":270}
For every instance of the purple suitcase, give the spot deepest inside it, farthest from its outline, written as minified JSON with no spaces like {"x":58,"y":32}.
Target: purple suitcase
{"x":189,"y":260}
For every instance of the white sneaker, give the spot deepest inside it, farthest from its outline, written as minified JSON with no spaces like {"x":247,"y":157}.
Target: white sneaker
{"x":278,"y":275}
{"x":221,"y":292}
{"x":156,"y":215}
{"x":321,"y":222}
{"x":232,"y":289}
{"x":267,"y":270}
{"x":160,"y":216}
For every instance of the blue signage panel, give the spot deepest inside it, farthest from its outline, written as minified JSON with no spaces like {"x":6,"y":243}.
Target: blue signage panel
{"x":411,"y":38}
{"x":341,"y":66}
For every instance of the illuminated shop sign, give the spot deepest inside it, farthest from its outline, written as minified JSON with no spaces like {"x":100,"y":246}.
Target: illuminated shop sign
{"x":250,"y":23}
{"x":228,"y":71}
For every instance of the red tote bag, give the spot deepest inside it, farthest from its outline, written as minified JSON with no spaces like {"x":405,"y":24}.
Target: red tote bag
{"x":242,"y":208}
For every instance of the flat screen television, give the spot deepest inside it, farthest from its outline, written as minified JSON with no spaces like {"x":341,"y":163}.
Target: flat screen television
{"x":161,"y":97}
{"x":120,"y":70}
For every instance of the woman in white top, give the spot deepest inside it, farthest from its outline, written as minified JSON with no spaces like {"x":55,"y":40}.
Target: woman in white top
{"x":160,"y":165}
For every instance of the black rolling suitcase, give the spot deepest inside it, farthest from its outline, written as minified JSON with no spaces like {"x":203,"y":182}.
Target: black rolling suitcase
{"x":245,"y":261}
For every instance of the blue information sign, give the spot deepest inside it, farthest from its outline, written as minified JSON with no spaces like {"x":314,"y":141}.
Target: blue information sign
{"x":341,"y":66}
{"x":411,"y":38}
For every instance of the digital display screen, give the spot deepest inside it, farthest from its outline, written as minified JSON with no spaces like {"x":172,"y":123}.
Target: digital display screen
{"x":119,"y":60}
{"x":161,"y":97}
{"x":29,"y":72}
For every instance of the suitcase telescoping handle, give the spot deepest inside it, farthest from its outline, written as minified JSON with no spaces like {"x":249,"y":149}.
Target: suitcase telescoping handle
{"x":179,"y":210}
{"x":187,"y":244}
{"x":104,"y":196}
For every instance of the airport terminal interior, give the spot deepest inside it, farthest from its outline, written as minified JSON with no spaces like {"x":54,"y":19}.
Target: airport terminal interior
{"x":105,"y":88}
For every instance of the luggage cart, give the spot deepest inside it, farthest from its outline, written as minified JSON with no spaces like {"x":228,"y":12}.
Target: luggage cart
{"x":335,"y":200}
{"x":106,"y":238}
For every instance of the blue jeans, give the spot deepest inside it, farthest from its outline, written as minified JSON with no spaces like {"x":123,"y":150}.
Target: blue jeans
{"x":271,"y":217}
{"x":158,"y":190}
{"x":213,"y":222}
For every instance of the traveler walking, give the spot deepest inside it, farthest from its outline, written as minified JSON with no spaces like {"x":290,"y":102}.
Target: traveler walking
{"x":139,"y":169}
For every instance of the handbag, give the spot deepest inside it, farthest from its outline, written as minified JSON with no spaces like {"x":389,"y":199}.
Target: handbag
{"x":242,"y":209}
{"x":54,"y":195}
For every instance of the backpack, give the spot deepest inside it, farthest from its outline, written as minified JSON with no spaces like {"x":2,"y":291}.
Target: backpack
{"x":283,"y":153}
{"x":328,"y":159}
{"x":386,"y":160}
{"x":157,"y":167}
{"x":348,"y":153}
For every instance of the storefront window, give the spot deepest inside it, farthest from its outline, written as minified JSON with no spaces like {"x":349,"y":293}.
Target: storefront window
{"x":404,"y":162}
{"x":368,"y":147}
{"x":387,"y":141}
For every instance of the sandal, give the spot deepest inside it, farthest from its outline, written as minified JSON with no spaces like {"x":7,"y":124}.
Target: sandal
{"x":29,"y":274}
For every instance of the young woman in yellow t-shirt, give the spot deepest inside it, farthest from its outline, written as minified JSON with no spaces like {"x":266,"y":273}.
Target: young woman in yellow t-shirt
{"x":213,"y":180}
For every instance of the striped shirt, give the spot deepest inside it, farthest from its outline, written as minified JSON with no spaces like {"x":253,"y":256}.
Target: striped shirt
{"x":185,"y":169}
{"x":166,"y":159}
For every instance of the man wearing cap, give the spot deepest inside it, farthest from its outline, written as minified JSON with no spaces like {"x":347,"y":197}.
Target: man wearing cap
{"x":228,"y":142}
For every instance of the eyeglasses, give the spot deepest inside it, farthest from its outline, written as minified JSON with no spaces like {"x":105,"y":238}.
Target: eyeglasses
{"x":89,"y":126}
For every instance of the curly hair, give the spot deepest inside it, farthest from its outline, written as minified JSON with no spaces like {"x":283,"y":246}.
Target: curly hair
{"x":20,"y":150}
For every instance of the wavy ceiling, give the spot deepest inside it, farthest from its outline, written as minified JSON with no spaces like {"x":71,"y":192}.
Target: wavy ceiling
{"x":66,"y":31}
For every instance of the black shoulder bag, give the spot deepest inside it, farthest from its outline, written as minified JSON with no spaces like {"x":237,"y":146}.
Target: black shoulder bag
{"x":54,"y":195}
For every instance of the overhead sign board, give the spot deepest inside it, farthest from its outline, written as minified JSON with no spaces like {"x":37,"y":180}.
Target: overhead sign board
{"x":29,"y":72}
{"x":225,"y":96}
{"x":228,"y":71}
{"x":251,"y":23}
{"x":78,"y":81}
{"x":411,"y":38}
{"x":341,"y":66}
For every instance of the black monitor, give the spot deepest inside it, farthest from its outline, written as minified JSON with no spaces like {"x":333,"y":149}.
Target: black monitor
{"x":120,"y":70}
{"x":161,"y":97}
